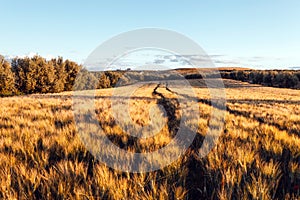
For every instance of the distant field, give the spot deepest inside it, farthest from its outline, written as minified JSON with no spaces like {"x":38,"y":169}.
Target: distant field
{"x":256,"y":157}
{"x":193,"y":70}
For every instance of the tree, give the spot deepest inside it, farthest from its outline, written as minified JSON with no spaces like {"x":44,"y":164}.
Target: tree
{"x":25,"y":72}
{"x":7,"y":79}
{"x":233,"y":75}
{"x":45,"y":74}
{"x":291,"y":80}
{"x":113,"y":77}
{"x":298,"y":75}
{"x":71,"y":69}
{"x":258,"y":77}
{"x":240,"y":76}
{"x":104,"y":81}
{"x":279,"y":79}
{"x":33,"y":75}
{"x":60,"y":75}
{"x":267,"y":79}
{"x":85,"y":80}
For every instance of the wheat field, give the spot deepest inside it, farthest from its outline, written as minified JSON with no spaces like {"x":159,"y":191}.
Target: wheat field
{"x":257,"y":155}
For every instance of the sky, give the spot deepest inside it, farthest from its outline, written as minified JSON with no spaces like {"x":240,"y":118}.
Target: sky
{"x":245,"y":33}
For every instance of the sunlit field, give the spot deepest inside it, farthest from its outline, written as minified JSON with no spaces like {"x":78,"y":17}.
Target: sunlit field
{"x":257,"y":156}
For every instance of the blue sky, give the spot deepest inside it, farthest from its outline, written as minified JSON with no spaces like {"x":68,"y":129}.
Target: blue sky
{"x":249,"y":33}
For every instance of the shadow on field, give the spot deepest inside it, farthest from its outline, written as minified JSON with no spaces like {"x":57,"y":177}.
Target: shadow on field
{"x":201,"y":181}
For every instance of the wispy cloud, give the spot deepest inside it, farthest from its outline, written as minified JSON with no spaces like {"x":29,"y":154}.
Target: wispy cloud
{"x":183,"y":61}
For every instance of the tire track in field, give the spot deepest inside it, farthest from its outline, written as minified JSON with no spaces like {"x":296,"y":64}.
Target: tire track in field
{"x":170,"y":106}
{"x":196,"y":180}
{"x":196,"y":171}
{"x":262,"y":120}
{"x":245,"y":114}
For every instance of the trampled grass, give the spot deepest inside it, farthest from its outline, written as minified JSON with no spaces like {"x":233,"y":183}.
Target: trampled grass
{"x":257,"y":155}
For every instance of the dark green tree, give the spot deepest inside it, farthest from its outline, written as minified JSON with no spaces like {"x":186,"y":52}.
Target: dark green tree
{"x":291,"y":80}
{"x":267,"y":79}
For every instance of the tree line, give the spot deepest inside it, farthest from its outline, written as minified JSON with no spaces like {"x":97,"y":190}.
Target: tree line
{"x":272,"y":78}
{"x":38,"y":75}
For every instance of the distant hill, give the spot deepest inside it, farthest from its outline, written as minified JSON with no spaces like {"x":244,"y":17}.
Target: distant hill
{"x":193,"y":70}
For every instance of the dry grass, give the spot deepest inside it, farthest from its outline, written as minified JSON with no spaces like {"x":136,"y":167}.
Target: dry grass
{"x":256,"y":157}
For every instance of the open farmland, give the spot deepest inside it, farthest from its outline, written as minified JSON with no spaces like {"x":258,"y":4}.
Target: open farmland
{"x":257,"y":155}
